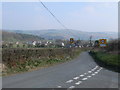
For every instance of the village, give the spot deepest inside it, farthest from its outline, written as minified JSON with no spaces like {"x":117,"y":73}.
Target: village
{"x":47,"y":44}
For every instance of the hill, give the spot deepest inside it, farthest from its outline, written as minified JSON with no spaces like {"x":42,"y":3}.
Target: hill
{"x":13,"y":37}
{"x":66,"y":34}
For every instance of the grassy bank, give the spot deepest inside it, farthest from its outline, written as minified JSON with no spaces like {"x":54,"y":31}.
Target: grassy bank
{"x":22,"y":60}
{"x":107,"y":60}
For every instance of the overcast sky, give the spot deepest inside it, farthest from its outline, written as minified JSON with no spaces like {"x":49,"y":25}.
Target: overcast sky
{"x":84,"y":16}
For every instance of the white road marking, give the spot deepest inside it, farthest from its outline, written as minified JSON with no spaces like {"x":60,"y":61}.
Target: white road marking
{"x":101,"y":68}
{"x":89,"y":71}
{"x":84,"y":78}
{"x":81,"y":75}
{"x":96,"y":72}
{"x":94,"y":68}
{"x":76,"y":78}
{"x":72,"y":87}
{"x":59,"y":86}
{"x":85,"y":73}
{"x":79,"y":82}
{"x":93,"y":74}
{"x":89,"y":76}
{"x":69,"y":81}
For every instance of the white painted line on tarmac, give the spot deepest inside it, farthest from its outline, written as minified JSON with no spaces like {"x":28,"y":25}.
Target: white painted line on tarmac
{"x":76,"y":78}
{"x":69,"y":81}
{"x":81,"y":75}
{"x":84,"y":78}
{"x":89,"y":71}
{"x":89,"y":76}
{"x":93,"y":74}
{"x":96,"y":72}
{"x":101,"y":68}
{"x":59,"y":86}
{"x":94,"y":68}
{"x":79,"y":82}
{"x":72,"y":87}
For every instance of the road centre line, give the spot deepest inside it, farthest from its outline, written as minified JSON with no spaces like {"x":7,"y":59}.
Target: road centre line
{"x":69,"y":81}
{"x":79,"y":82}
{"x":76,"y":78}
{"x":72,"y":87}
{"x":96,"y":72}
{"x":93,"y":74}
{"x":59,"y":86}
{"x":81,"y":75}
{"x":89,"y":71}
{"x":89,"y":76}
{"x":84,"y":78}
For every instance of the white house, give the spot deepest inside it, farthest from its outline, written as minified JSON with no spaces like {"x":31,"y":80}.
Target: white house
{"x":34,"y":43}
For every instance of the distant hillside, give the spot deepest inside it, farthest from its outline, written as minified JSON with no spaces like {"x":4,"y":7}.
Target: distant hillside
{"x":66,"y":34}
{"x":13,"y":37}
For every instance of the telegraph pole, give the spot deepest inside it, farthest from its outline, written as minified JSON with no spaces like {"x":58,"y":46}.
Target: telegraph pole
{"x":90,"y":40}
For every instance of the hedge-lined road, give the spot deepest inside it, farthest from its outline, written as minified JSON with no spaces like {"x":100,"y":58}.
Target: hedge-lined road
{"x":82,"y":72}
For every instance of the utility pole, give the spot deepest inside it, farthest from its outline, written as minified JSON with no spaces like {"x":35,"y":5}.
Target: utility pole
{"x":90,"y":40}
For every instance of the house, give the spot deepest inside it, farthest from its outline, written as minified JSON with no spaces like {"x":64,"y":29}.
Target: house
{"x":34,"y":43}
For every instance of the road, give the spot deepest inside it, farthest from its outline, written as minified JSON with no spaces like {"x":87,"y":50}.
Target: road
{"x":81,"y":72}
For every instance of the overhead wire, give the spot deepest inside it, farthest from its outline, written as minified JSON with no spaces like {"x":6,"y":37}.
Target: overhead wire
{"x":56,"y":18}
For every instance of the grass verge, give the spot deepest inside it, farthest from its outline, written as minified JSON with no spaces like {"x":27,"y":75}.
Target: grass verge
{"x":106,"y":60}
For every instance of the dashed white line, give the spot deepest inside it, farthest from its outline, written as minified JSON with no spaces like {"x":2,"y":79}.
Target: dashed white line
{"x":72,"y":87}
{"x":89,"y":76}
{"x":81,"y":75}
{"x":96,"y":66}
{"x":89,"y":71}
{"x":59,"y":86}
{"x":96,"y":72}
{"x":76,"y":78}
{"x":84,"y":78}
{"x":101,"y":68}
{"x":93,"y":74}
{"x":79,"y":82}
{"x":69,"y":81}
{"x":93,"y":69}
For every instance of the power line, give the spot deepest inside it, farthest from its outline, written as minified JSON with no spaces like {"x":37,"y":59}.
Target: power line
{"x":56,"y":18}
{"x":53,"y":15}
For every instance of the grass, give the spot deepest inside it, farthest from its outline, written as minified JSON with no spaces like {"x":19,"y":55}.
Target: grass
{"x":107,"y":60}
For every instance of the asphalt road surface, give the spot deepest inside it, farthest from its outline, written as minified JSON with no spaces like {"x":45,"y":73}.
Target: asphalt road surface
{"x":81,"y":72}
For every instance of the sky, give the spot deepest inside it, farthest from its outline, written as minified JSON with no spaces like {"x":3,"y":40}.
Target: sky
{"x":83,"y":16}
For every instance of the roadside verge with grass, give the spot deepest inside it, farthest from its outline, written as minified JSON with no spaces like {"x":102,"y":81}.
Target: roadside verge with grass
{"x":107,"y":60}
